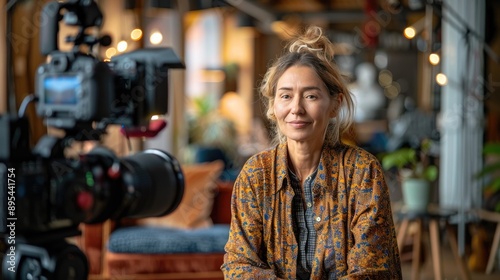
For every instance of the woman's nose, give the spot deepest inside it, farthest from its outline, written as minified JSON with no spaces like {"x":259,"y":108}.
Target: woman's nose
{"x":297,"y":106}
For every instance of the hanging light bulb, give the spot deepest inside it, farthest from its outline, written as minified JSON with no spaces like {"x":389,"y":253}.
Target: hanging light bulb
{"x":434,"y":58}
{"x":156,"y":38}
{"x":110,"y":52}
{"x":136,"y":34}
{"x":441,"y":79}
{"x":122,"y":46}
{"x":410,"y":32}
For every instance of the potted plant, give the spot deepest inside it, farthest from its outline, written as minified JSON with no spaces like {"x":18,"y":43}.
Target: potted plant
{"x":211,"y":135}
{"x":416,"y":173}
{"x":491,"y":172}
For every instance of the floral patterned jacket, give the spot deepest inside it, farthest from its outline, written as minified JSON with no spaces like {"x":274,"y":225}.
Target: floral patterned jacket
{"x":355,"y":231}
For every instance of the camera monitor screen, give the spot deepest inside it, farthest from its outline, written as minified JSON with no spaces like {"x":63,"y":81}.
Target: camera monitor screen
{"x":62,"y":90}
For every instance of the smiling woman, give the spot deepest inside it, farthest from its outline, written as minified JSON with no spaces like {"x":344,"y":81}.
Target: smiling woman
{"x":311,"y":207}
{"x":303,"y":107}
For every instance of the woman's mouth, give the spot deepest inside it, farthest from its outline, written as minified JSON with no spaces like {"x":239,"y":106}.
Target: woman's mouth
{"x":298,"y":124}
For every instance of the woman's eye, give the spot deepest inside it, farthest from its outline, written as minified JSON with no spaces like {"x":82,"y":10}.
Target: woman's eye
{"x":285,"y":96}
{"x":311,"y":96}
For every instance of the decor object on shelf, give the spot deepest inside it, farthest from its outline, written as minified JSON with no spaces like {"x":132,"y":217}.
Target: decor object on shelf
{"x":369,"y":95}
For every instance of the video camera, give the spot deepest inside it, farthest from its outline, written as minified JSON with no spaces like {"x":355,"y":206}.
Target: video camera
{"x":44,"y":195}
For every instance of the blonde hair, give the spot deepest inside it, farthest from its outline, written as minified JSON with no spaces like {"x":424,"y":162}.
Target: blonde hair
{"x":314,"y":50}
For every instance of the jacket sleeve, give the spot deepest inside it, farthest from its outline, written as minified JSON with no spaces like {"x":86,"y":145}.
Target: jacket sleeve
{"x":244,"y":254}
{"x":373,"y":250}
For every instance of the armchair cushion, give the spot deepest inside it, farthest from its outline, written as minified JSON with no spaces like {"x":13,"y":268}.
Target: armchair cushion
{"x":196,"y":205}
{"x":163,"y":240}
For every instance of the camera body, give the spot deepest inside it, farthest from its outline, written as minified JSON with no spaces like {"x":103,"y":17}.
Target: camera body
{"x":74,"y":87}
{"x":44,"y":195}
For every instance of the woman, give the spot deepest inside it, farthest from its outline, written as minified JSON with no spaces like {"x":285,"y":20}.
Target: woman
{"x":311,"y":207}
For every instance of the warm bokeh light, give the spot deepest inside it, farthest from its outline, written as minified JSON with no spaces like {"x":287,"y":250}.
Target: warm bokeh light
{"x":410,"y":32}
{"x":385,"y":78}
{"x":391,"y":91}
{"x":213,"y":76}
{"x":234,"y":107}
{"x":122,"y":46}
{"x":136,"y":34}
{"x":434,"y":58}
{"x":441,"y":79}
{"x":156,"y":38}
{"x":110,"y":52}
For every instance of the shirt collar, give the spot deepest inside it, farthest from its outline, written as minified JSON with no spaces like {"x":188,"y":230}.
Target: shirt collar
{"x":281,"y":166}
{"x":282,"y":176}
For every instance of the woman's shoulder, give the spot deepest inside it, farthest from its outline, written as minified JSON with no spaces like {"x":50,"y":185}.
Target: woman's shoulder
{"x":261,"y":159}
{"x":353,"y":154}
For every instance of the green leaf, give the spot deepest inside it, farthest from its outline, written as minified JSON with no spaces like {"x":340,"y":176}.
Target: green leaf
{"x":426,"y":145}
{"x":399,"y":158}
{"x":495,"y":185}
{"x":491,"y":149}
{"x":489,"y":169}
{"x":431,"y":173}
{"x":389,"y":162}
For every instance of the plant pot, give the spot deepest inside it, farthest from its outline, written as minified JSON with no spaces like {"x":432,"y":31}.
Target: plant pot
{"x":416,"y":194}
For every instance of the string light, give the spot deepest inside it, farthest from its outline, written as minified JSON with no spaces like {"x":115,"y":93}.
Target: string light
{"x":136,"y":34}
{"x":110,"y":52}
{"x":410,"y":32}
{"x":434,"y":58}
{"x":122,"y":46}
{"x":441,"y":79}
{"x":156,"y":38}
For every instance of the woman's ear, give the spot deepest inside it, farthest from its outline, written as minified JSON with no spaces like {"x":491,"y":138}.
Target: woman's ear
{"x":336,"y":105}
{"x":270,"y":114}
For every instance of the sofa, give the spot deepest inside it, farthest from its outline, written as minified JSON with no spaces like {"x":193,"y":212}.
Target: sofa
{"x":186,"y":244}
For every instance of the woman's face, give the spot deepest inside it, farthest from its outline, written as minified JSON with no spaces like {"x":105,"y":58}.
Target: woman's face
{"x":302,"y":105}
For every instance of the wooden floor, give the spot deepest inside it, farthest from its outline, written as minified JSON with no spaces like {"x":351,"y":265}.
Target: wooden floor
{"x":449,"y":268}
{"x":450,"y":271}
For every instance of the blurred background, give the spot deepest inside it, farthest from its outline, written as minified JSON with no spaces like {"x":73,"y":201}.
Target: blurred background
{"x":420,"y":70}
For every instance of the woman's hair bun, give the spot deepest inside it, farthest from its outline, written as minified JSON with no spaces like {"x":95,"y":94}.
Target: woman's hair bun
{"x":314,"y":41}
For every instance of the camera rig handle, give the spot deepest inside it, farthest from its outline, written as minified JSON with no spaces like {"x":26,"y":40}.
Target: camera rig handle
{"x":82,"y":13}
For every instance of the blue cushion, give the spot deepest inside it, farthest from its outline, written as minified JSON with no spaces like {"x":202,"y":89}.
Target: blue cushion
{"x":161,"y":240}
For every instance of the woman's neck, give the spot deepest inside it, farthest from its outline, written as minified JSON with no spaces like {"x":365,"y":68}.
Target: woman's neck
{"x":303,"y":158}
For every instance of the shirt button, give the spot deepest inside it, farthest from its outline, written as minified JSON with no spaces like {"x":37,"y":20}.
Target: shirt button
{"x":309,"y":204}
{"x":318,"y":219}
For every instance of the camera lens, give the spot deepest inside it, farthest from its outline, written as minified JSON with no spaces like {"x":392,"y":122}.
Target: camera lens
{"x":147,"y":184}
{"x":154,"y":183}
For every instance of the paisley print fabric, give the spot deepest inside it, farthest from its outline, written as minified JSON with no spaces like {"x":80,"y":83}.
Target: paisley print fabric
{"x":356,"y":237}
